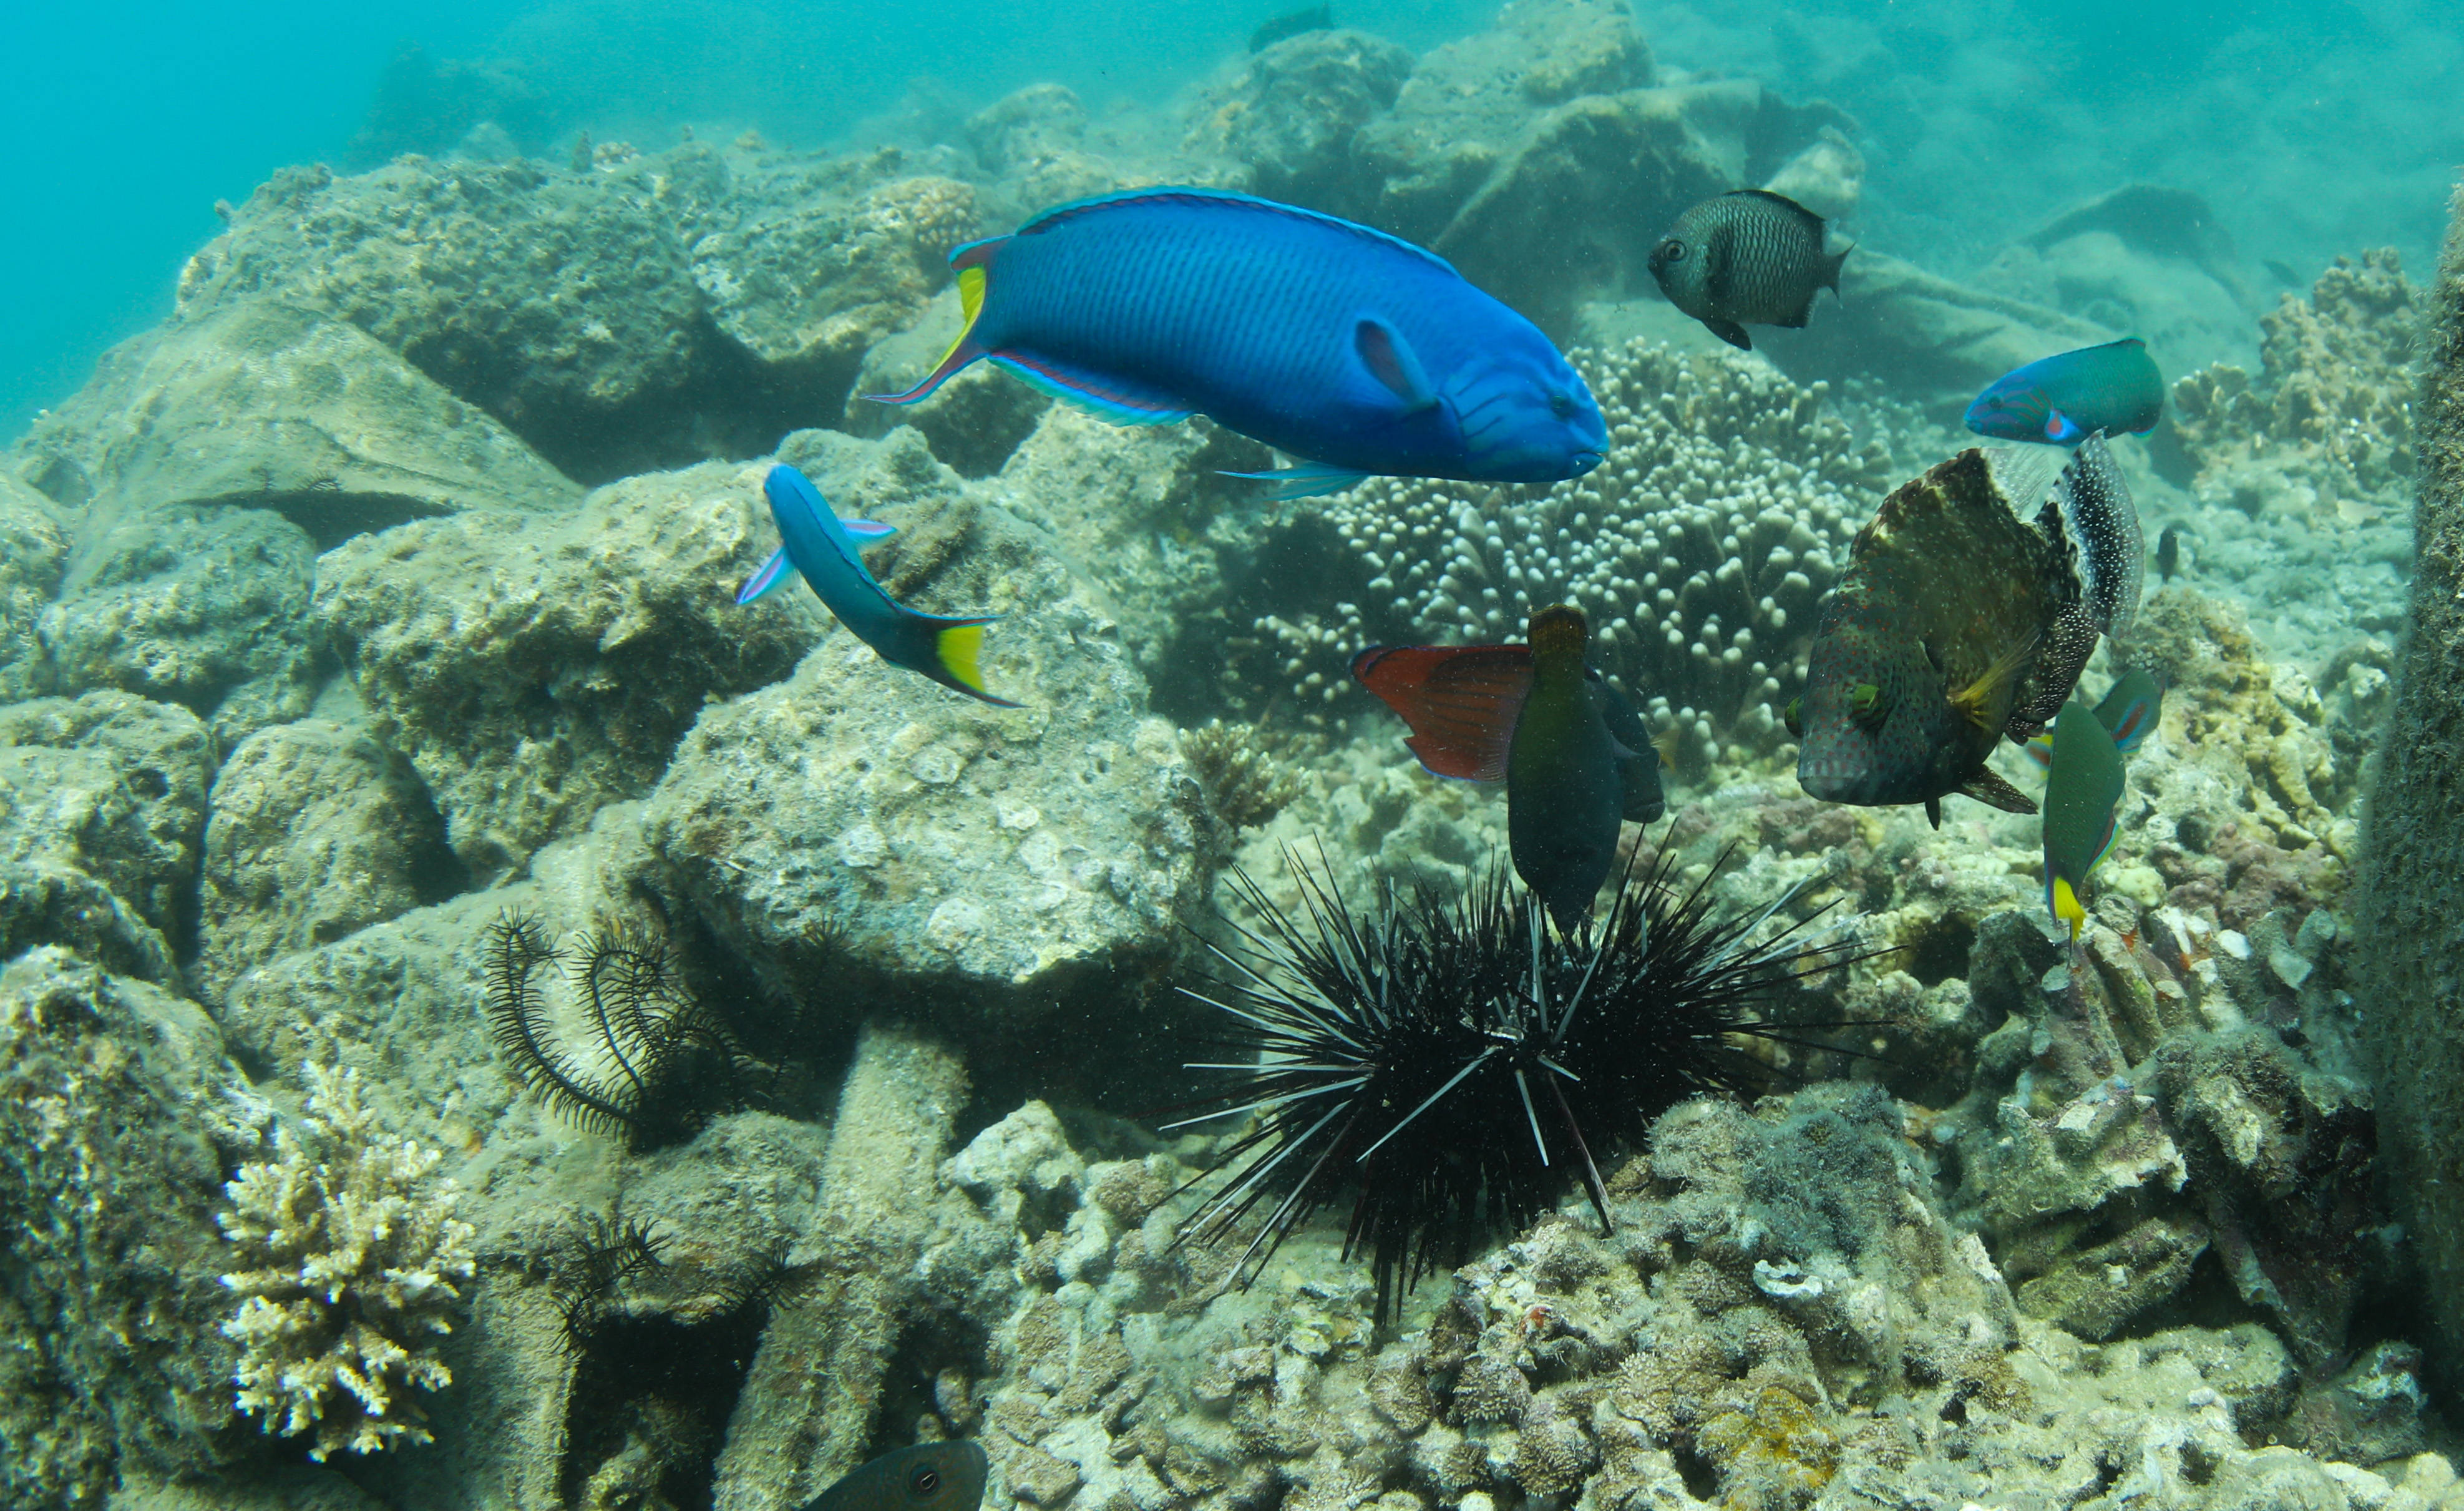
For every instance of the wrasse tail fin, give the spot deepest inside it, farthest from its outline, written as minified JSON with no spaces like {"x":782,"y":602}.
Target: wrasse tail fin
{"x":971,"y":264}
{"x":958,"y":645}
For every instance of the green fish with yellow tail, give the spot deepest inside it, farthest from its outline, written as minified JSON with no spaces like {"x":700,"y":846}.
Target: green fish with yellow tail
{"x":1970,"y":605}
{"x":2082,"y":792}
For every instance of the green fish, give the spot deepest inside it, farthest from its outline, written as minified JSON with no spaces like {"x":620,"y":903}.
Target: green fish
{"x":928,"y":1477}
{"x":1960,"y":620}
{"x":2083,"y":790}
{"x":1569,"y":747}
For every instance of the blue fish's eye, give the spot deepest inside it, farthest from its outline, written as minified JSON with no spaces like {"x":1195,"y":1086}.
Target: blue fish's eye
{"x":1993,"y":401}
{"x":1560,"y":406}
{"x":924,"y":1480}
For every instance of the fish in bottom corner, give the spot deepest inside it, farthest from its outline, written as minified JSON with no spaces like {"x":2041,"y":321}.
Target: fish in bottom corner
{"x":822,"y":549}
{"x":1570,"y":749}
{"x":947,"y":1475}
{"x":1965,"y":617}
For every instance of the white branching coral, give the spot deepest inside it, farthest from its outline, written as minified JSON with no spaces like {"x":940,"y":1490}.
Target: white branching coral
{"x":354,"y":1261}
{"x":1699,"y":548}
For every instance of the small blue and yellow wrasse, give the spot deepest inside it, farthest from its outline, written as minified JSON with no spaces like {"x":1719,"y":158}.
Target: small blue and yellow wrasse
{"x":1571,"y":751}
{"x":2129,"y":709}
{"x":947,"y":1475}
{"x":2067,"y":398}
{"x":2083,"y":790}
{"x":822,"y":549}
{"x":1350,"y":351}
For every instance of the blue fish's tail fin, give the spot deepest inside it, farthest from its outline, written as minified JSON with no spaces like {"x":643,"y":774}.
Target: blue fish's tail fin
{"x":949,"y":651}
{"x":972,"y":263}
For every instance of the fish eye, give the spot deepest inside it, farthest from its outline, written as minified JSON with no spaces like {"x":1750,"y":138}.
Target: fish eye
{"x":1673,"y":249}
{"x":924,"y":1480}
{"x":1561,"y":405}
{"x":1993,"y":401}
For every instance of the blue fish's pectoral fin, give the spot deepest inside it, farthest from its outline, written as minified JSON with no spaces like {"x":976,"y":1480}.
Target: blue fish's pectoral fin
{"x":970,"y":265}
{"x":773,"y":571}
{"x":1123,"y":401}
{"x":2061,"y":429}
{"x":1732,"y":332}
{"x":1391,"y":362}
{"x":1308,"y":480}
{"x":869,"y":529}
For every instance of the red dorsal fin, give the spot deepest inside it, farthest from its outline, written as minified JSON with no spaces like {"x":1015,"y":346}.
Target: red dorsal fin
{"x":1461,"y":700}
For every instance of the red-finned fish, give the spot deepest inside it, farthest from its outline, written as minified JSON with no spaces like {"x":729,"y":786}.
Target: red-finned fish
{"x":820,"y":546}
{"x":2064,"y":399}
{"x":947,"y":1475}
{"x":1960,"y":621}
{"x":1346,"y":349}
{"x":2083,"y":784}
{"x":1569,"y":747}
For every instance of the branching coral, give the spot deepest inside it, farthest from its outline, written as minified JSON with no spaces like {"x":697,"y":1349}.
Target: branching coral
{"x":2329,"y":421}
{"x":1699,"y":548}
{"x":1246,"y":784}
{"x":354,"y":1262}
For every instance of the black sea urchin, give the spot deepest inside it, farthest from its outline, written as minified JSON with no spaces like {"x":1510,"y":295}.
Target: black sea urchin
{"x":1444,"y":1057}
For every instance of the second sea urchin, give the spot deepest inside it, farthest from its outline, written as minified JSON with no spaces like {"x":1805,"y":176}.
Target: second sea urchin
{"x":1459,"y":1067}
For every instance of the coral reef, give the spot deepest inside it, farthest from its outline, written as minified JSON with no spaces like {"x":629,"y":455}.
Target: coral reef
{"x":2411,"y":918}
{"x":117,"y":1112}
{"x":352,"y":1259}
{"x":1699,"y":548}
{"x":530,"y":679}
{"x":315,"y":830}
{"x":1246,"y":783}
{"x":34,"y":551}
{"x":2326,"y":427}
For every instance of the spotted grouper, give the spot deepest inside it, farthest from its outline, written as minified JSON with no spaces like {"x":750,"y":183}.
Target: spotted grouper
{"x":1966,"y":615}
{"x":1349,"y":350}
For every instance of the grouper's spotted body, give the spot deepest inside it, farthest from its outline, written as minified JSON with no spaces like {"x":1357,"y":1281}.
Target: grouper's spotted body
{"x":1959,"y":621}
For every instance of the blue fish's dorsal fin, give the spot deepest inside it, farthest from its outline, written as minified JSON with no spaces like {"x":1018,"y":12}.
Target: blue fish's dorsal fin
{"x":1123,"y":401}
{"x":1227,"y":199}
{"x":1391,"y":362}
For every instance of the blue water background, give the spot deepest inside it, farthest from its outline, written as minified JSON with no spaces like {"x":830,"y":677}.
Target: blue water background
{"x":2312,"y":128}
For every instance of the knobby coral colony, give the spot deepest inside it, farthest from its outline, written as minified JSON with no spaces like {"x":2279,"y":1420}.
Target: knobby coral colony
{"x":1451,"y":1061}
{"x":669,"y":1065}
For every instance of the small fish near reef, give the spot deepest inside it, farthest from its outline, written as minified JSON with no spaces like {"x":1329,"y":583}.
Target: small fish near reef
{"x":2083,"y":784}
{"x":1290,"y":24}
{"x":1351,"y":351}
{"x":821,"y":548}
{"x":2129,"y":709}
{"x":1571,"y":751}
{"x":1960,"y":620}
{"x":2169,"y":551}
{"x":930,"y":1476}
{"x":1747,"y":257}
{"x":2064,"y":399}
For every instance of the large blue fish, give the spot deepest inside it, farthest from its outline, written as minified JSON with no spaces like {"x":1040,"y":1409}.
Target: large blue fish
{"x":818,"y":543}
{"x":1349,"y":350}
{"x":2065,"y":399}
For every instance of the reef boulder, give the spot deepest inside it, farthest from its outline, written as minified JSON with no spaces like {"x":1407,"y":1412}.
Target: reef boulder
{"x":858,"y":814}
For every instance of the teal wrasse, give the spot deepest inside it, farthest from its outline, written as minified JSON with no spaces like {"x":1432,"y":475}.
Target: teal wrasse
{"x":1965,"y":617}
{"x":822,"y":549}
{"x":1569,"y":747}
{"x":2064,"y":399}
